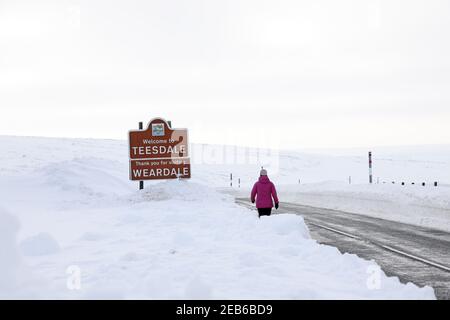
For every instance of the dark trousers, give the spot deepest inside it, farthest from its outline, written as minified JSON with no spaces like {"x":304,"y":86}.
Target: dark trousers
{"x":264,"y":211}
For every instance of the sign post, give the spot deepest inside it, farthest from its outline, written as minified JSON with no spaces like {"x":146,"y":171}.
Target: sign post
{"x":141,"y":183}
{"x":159,"y":152}
{"x":370,"y":168}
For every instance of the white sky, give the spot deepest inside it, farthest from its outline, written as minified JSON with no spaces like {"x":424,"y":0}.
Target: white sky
{"x":285,"y":73}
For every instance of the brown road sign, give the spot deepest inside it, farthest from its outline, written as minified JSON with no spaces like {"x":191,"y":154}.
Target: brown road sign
{"x":158,"y":141}
{"x":162,"y":152}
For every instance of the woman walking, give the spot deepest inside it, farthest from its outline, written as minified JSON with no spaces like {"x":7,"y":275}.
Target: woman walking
{"x":263,"y":191}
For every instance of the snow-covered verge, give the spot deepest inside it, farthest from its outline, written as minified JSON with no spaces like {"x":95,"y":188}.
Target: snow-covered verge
{"x":423,"y":206}
{"x":74,"y":227}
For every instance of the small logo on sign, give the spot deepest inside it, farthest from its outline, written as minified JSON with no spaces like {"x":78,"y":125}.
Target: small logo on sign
{"x":158,"y":129}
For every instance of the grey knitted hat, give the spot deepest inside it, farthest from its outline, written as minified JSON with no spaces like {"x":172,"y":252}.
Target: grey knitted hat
{"x":263,"y":172}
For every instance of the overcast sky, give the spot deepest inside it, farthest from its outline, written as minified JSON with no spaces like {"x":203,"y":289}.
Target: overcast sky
{"x":285,"y":73}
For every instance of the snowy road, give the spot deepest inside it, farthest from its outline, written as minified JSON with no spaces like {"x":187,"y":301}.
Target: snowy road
{"x":336,"y":228}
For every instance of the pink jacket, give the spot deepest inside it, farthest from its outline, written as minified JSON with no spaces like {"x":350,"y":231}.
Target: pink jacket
{"x":264,"y":190}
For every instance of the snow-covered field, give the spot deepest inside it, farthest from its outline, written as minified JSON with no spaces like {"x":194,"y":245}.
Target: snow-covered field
{"x":73,"y":226}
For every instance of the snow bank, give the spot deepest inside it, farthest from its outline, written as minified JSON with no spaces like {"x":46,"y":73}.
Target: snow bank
{"x":200,"y":245}
{"x":89,"y":179}
{"x":186,"y":241}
